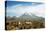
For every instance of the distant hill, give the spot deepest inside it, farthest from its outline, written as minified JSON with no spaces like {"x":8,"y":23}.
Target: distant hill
{"x":27,"y":16}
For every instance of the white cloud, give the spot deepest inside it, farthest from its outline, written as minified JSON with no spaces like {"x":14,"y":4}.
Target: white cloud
{"x":39,"y":10}
{"x":18,"y":9}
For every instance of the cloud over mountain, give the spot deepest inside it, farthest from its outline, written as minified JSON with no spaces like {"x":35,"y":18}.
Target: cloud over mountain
{"x":19,"y":9}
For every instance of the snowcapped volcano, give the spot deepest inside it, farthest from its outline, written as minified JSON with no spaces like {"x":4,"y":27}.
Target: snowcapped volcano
{"x":25,"y":14}
{"x":28,"y":16}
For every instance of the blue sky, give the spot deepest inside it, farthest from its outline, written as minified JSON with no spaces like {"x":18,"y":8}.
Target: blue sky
{"x":17,"y":8}
{"x":16,"y":3}
{"x":11,"y":3}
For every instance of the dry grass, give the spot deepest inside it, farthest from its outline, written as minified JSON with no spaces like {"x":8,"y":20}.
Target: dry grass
{"x":16,"y":25}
